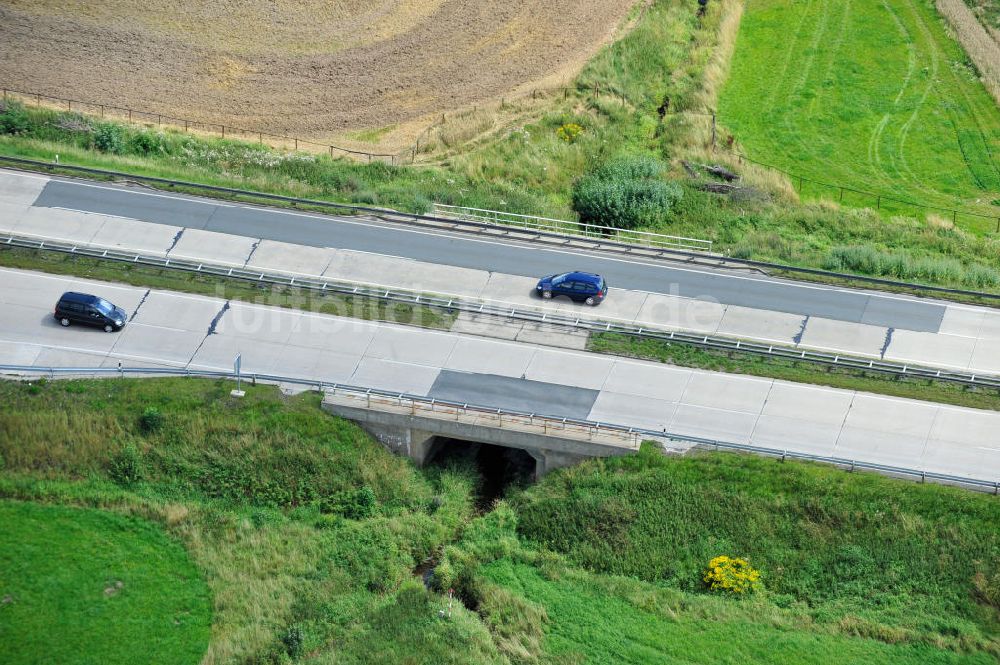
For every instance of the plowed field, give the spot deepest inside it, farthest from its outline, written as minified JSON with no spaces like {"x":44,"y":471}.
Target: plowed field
{"x":312,"y":68}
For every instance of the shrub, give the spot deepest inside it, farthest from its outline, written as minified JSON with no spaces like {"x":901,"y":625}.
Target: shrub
{"x":126,"y":466}
{"x":151,"y":420}
{"x":109,"y":138}
{"x":731,"y":575}
{"x":293,"y":641}
{"x":357,"y":505}
{"x":147,"y":143}
{"x":13,"y":118}
{"x":569,"y":132}
{"x":625,"y":193}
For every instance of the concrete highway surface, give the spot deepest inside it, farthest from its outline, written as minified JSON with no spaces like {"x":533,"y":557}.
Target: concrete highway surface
{"x":752,"y":308}
{"x":179,"y":330}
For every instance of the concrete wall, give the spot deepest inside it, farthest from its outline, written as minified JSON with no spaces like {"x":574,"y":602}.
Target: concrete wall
{"x":413,"y":436}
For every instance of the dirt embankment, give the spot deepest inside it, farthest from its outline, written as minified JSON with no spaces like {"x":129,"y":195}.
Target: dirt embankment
{"x":309,"y":68}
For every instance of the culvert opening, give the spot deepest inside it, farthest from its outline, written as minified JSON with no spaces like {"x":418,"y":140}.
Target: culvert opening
{"x":499,"y":468}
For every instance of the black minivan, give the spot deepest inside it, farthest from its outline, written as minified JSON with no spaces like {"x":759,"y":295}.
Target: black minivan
{"x":89,"y":310}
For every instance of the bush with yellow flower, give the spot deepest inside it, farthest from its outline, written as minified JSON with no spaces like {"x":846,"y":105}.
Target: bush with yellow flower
{"x":731,"y":575}
{"x":569,"y":132}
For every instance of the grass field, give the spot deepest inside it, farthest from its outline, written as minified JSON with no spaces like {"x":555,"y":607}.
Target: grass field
{"x":91,"y":586}
{"x":874,"y":96}
{"x":603,"y":561}
{"x":310,"y":539}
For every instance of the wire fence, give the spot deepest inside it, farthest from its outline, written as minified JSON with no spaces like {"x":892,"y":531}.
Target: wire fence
{"x":633,"y":433}
{"x":136,"y":116}
{"x":804,"y":185}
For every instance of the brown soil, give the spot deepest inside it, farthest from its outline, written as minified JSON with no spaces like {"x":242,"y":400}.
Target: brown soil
{"x":309,"y":68}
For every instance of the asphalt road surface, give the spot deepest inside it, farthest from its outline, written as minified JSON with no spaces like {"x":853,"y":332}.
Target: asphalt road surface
{"x":521,"y":259}
{"x":181,"y":330}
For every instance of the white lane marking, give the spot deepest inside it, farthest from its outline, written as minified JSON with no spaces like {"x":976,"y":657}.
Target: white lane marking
{"x":343,"y":220}
{"x":18,"y":174}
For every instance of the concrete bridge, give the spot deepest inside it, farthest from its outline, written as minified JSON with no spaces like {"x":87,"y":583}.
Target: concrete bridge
{"x":417,"y":428}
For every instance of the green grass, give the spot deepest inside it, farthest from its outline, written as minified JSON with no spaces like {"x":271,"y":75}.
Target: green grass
{"x":86,"y":586}
{"x":789,"y":370}
{"x":599,"y":563}
{"x":596,"y":620}
{"x":874,"y":96}
{"x":257,"y":491}
{"x":225,"y":288}
{"x":853,"y":554}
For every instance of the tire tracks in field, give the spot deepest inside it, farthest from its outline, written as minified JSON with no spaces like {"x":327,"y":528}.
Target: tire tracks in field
{"x":790,"y":52}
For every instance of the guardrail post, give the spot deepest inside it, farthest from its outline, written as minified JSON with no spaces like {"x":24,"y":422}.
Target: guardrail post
{"x":121,"y":370}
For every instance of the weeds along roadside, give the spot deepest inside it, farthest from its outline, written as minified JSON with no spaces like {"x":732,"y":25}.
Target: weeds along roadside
{"x":436,"y":318}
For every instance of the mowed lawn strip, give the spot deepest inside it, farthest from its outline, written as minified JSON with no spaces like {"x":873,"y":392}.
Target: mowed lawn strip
{"x":86,"y":586}
{"x":870,"y":95}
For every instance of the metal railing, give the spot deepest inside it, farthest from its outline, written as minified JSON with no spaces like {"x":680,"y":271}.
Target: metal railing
{"x":544,"y":236}
{"x":514,"y":312}
{"x":641,"y":433}
{"x":565,"y":428}
{"x":568,"y":228}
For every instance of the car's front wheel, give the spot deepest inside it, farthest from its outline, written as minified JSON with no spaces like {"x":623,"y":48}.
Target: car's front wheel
{"x":109,"y":328}
{"x":547,"y":295}
{"x":64,"y":322}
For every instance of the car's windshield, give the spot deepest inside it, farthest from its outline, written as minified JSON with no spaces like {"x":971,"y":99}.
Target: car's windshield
{"x":559,"y":279}
{"x":104,"y":307}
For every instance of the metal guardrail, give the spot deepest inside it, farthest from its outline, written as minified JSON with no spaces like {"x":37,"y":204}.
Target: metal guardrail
{"x":695,"y":441}
{"x":512,"y":311}
{"x":565,"y":227}
{"x":524,"y":235}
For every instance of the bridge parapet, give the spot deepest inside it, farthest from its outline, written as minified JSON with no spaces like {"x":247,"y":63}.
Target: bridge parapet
{"x":410,"y":426}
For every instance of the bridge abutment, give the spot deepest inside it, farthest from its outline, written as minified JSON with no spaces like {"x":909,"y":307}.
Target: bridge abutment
{"x":405,"y":431}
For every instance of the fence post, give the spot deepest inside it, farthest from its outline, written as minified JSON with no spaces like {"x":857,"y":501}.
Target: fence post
{"x":69,"y":104}
{"x":841,"y":194}
{"x":102,"y":111}
{"x":878,"y":203}
{"x":998,"y":224}
{"x":130,"y":116}
{"x":800,"y":184}
{"x":159,"y":119}
{"x":954,"y":217}
{"x":296,"y":144}
{"x":223,"y":131}
{"x":713,"y":131}
{"x":185,"y":125}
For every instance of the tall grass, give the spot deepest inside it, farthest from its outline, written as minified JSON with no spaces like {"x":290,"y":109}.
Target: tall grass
{"x":254,"y":489}
{"x":859,"y":554}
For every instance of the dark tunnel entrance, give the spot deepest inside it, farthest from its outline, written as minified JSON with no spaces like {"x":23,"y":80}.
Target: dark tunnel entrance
{"x":499,"y":468}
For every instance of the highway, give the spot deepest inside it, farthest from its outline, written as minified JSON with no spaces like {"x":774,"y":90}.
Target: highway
{"x":180,"y":330}
{"x":459,"y":250}
{"x":942,"y":335}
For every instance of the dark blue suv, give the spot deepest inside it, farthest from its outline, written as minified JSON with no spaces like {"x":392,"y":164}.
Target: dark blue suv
{"x":579,"y":286}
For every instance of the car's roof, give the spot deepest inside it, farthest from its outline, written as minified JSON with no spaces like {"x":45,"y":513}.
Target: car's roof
{"x":584,"y":276}
{"x":73,"y":296}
